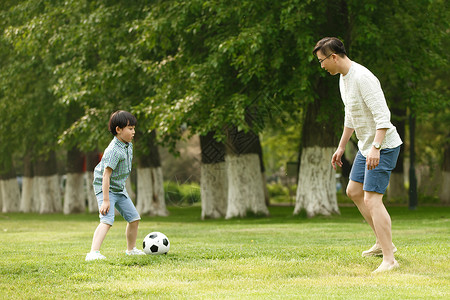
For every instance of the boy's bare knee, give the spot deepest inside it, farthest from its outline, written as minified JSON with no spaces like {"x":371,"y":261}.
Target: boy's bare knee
{"x":134,"y":223}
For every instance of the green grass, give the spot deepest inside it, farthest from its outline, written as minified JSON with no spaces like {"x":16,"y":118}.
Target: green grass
{"x":281,"y":257}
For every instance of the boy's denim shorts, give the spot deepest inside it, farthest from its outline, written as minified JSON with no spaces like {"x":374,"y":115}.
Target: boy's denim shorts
{"x":122,"y":202}
{"x":375,"y":180}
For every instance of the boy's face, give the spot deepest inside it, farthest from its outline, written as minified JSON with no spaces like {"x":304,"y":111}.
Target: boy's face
{"x":125,"y":134}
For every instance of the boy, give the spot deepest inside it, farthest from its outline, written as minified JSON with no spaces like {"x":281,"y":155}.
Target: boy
{"x":366,"y":114}
{"x":109,"y":185}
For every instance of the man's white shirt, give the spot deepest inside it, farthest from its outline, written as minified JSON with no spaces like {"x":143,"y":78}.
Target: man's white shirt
{"x":366,"y":109}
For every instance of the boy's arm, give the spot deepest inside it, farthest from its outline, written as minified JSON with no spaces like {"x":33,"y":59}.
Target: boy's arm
{"x":104,"y":208}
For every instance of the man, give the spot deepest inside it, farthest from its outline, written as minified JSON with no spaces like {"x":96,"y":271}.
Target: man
{"x":366,"y":114}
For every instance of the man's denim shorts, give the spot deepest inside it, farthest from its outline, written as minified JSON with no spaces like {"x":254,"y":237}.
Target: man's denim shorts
{"x":375,"y":180}
{"x":122,"y":202}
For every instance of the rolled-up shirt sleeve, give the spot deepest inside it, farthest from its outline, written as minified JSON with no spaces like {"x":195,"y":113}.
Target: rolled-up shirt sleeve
{"x":347,"y":120}
{"x":373,"y":96}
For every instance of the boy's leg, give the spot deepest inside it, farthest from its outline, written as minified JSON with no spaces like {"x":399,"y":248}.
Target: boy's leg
{"x":128,"y":211}
{"x":106,"y":222}
{"x":131,"y":233}
{"x":99,"y":236}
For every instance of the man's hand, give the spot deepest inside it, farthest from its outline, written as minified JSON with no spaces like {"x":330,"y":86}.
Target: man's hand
{"x":373,"y":158}
{"x":336,"y":159}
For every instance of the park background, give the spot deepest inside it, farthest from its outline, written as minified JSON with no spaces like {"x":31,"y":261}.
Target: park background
{"x":230,"y":101}
{"x":236,"y":126}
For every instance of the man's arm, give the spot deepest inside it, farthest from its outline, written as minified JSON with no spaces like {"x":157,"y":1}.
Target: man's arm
{"x":373,"y":158}
{"x":104,"y":208}
{"x":346,"y":135}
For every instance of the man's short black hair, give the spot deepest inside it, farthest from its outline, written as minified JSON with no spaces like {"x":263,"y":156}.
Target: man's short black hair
{"x":329,"y":45}
{"x":122,"y":119}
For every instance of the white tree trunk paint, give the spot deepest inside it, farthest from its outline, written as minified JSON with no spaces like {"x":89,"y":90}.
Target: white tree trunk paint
{"x":90,"y":194}
{"x":26,"y":200}
{"x":74,"y":194}
{"x":48,"y":194}
{"x":150,"y":192}
{"x":245,"y":186}
{"x":316,"y":191}
{"x":36,"y":204}
{"x":10,"y":195}
{"x":214,"y":190}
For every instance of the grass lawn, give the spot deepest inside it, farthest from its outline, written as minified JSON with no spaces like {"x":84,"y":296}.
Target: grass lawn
{"x":281,"y":257}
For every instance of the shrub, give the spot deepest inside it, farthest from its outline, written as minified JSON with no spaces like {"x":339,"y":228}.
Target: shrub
{"x":178,"y":194}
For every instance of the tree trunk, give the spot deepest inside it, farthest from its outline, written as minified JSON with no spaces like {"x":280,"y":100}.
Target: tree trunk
{"x":316,"y":190}
{"x":444,"y":192}
{"x":10,"y":194}
{"x":397,"y":182}
{"x":150,"y":183}
{"x":213,"y":180}
{"x":74,"y":194}
{"x":245,"y":186}
{"x":26,"y":200}
{"x":47,"y":183}
{"x":9,"y":187}
{"x":92,"y":159}
{"x":317,"y":183}
{"x":244,"y":171}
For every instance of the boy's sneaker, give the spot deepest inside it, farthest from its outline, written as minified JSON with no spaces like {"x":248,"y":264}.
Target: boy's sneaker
{"x":94,"y":255}
{"x":135,"y":251}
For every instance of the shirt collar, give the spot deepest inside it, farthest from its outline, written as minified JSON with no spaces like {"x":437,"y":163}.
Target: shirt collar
{"x":350,"y":71}
{"x":120,"y":143}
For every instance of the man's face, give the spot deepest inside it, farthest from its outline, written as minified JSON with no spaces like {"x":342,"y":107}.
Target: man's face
{"x":327,"y":62}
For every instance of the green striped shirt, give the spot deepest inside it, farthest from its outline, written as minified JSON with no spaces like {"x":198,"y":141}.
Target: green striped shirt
{"x":118,"y":156}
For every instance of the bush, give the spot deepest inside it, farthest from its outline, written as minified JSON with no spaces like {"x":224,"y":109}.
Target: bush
{"x":178,"y":194}
{"x":277,"y":189}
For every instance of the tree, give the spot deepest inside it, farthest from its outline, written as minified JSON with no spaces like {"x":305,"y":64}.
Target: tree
{"x":9,"y":187}
{"x":406,"y":42}
{"x":106,"y":73}
{"x":150,"y":190}
{"x":26,"y":78}
{"x":220,"y":60}
{"x":214,"y":181}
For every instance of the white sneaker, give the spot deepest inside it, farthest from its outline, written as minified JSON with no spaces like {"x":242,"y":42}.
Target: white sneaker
{"x":375,"y":251}
{"x":94,"y":255}
{"x":135,"y":251}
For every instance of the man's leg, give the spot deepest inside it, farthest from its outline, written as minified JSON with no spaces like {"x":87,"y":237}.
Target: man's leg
{"x":382,"y":225}
{"x":356,"y":193}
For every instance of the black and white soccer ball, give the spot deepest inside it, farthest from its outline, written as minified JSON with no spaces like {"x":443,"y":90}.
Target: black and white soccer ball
{"x":156,"y":243}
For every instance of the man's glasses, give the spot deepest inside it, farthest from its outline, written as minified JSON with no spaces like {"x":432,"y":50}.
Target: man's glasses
{"x":321,"y":60}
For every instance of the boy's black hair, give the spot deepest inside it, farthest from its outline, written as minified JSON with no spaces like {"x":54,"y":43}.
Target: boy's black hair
{"x":329,"y":45}
{"x":122,"y":119}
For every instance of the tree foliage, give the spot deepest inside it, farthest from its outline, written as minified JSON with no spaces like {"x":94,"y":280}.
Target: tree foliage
{"x":201,"y":65}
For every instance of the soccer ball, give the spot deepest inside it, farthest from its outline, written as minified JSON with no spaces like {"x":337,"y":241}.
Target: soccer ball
{"x":156,"y":243}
